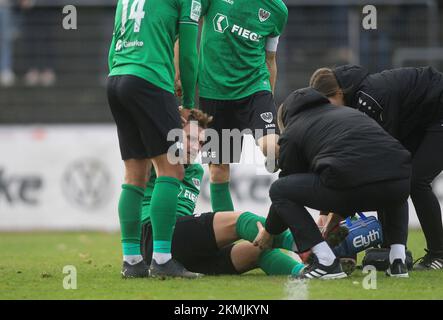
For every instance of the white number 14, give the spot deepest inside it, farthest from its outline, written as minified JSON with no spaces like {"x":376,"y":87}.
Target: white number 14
{"x":136,"y":14}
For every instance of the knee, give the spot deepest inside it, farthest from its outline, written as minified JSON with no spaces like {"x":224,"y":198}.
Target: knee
{"x":176,"y":171}
{"x":269,"y":144}
{"x":274,"y":191}
{"x":135,"y":181}
{"x":136,"y":173}
{"x":419,"y":184}
{"x":219,"y":173}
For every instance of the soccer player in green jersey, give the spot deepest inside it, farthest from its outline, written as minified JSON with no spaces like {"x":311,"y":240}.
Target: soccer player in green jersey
{"x":237,"y":75}
{"x":206,"y":243}
{"x":141,"y":97}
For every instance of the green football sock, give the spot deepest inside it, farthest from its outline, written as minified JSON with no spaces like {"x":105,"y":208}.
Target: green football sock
{"x":284,"y":240}
{"x":221,"y":197}
{"x":129,"y":212}
{"x":275,"y":262}
{"x":163,"y":212}
{"x":247,"y":229}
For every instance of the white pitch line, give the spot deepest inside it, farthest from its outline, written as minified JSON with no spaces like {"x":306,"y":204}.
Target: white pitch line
{"x":296,"y":289}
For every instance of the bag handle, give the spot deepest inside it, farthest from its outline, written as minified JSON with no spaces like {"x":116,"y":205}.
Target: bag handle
{"x":361,"y":215}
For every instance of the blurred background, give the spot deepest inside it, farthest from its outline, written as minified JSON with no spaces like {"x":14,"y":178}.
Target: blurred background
{"x":60,"y":166}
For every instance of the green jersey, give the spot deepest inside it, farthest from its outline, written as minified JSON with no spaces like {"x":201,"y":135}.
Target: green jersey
{"x":233,"y":46}
{"x":189,"y":192}
{"x":144,"y":35}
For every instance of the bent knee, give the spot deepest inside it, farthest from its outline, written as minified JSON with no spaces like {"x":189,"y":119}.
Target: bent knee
{"x":419,"y":184}
{"x":176,"y":171}
{"x":274,"y":191}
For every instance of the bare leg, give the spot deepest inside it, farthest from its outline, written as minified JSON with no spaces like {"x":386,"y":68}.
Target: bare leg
{"x":225,"y":227}
{"x":219,"y":173}
{"x":164,"y":168}
{"x":269,"y":146}
{"x":136,"y":172}
{"x":244,"y":256}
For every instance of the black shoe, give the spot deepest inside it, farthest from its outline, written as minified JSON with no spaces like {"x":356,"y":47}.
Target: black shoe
{"x":431,"y":261}
{"x":398,"y":269}
{"x":173,"y":269}
{"x":138,"y":270}
{"x":318,"y":271}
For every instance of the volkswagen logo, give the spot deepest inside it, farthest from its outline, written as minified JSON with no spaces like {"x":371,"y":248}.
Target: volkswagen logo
{"x":86,"y":183}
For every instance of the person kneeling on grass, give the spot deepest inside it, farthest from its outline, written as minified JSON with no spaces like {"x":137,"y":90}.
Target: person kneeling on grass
{"x":207,"y":243}
{"x":336,"y":159}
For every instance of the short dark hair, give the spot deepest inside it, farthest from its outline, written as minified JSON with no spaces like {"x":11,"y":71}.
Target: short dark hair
{"x":324,"y":81}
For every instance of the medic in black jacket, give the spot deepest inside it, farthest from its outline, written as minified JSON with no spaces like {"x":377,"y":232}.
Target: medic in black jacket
{"x":407,"y":103}
{"x":336,"y":159}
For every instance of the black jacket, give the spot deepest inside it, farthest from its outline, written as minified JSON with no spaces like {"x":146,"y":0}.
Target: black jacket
{"x":344,"y":146}
{"x":403,"y":101}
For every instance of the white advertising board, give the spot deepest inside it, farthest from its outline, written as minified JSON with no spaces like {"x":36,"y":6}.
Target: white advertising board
{"x":69,"y":177}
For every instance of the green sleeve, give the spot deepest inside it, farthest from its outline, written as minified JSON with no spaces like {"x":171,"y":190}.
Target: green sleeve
{"x":205,"y":7}
{"x":188,"y":62}
{"x":190,"y":12}
{"x":280,"y":23}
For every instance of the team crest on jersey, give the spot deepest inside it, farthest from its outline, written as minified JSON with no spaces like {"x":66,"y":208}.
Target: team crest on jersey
{"x":263,"y":15}
{"x":196,"y":183}
{"x":267,"y":117}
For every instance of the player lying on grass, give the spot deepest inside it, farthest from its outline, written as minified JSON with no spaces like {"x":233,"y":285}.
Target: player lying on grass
{"x":207,"y":243}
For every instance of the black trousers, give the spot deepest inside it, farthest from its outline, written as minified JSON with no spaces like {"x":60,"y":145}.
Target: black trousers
{"x":427,"y":164}
{"x":291,"y":194}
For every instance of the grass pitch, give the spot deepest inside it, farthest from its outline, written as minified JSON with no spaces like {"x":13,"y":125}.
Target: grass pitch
{"x":31,"y":267}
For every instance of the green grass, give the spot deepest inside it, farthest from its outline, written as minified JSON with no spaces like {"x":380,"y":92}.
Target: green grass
{"x":31,"y":267}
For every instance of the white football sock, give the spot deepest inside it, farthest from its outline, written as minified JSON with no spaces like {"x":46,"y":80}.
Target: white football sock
{"x":324,"y":253}
{"x":398,"y":251}
{"x":133,"y":259}
{"x":161,"y":258}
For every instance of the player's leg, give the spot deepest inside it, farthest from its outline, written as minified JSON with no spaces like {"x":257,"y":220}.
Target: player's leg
{"x":219,"y":170}
{"x":262,"y":117}
{"x":232,"y":226}
{"x":291,"y":194}
{"x":163,"y":207}
{"x":129,"y":206}
{"x":246,"y":257}
{"x":155,"y":114}
{"x":288,"y":197}
{"x":427,"y":164}
{"x":396,"y":226}
{"x":189,"y":243}
{"x":268,"y":144}
{"x":219,"y":187}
